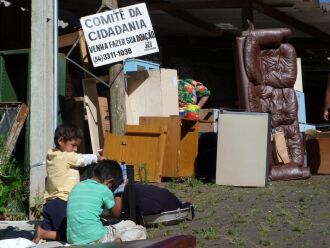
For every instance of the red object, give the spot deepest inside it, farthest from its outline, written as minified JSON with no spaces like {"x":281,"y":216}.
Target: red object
{"x":192,"y":115}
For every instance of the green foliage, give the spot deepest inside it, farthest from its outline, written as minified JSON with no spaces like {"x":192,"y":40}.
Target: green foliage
{"x":193,"y":182}
{"x":172,"y":183}
{"x":143,"y":176}
{"x":36,"y":210}
{"x":13,"y":187}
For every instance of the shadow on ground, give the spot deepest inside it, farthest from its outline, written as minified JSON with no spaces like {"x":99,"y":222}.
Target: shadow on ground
{"x":11,"y":232}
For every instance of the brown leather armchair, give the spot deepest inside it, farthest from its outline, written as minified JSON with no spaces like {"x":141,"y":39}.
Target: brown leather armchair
{"x":266,"y":71}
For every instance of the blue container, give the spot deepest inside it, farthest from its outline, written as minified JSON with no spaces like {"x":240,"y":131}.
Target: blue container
{"x":301,"y":106}
{"x":138,"y":65}
{"x":182,"y":113}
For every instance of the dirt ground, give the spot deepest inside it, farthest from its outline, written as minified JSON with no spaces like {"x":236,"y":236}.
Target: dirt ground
{"x":285,"y":214}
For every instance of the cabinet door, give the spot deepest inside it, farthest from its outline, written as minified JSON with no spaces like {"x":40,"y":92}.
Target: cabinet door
{"x":144,"y":150}
{"x":172,"y":125}
{"x":140,"y":145}
{"x":113,"y":147}
{"x":188,"y":148}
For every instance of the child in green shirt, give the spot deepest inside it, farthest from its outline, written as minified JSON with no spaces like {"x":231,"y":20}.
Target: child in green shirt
{"x":87,"y":200}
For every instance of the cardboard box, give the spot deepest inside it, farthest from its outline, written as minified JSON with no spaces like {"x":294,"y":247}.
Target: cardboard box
{"x":318,"y":155}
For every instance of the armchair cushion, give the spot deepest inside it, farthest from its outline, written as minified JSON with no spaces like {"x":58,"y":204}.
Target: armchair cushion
{"x":266,"y":71}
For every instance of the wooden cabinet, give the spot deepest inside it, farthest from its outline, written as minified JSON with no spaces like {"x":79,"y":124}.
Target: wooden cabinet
{"x":141,"y":145}
{"x":167,"y":146}
{"x":181,"y":144}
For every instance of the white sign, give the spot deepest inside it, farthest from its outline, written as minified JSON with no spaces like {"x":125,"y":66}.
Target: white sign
{"x":119,"y":34}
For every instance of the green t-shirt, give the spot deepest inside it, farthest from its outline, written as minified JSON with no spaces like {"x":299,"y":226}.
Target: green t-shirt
{"x":85,"y":204}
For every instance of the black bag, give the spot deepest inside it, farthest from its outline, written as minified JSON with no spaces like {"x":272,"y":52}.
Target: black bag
{"x":152,"y":200}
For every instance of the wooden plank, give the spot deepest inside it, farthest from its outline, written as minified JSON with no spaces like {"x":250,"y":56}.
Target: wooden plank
{"x":93,"y":115}
{"x":83,"y":50}
{"x":151,"y":93}
{"x":104,"y":78}
{"x":129,"y":111}
{"x":142,"y":129}
{"x":16,"y":124}
{"x":104,"y":117}
{"x":144,"y":95}
{"x":67,"y":39}
{"x":169,"y":91}
{"x":298,"y":85}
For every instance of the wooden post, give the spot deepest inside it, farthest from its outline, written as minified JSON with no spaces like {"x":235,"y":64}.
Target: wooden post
{"x":117,"y":90}
{"x":117,"y":99}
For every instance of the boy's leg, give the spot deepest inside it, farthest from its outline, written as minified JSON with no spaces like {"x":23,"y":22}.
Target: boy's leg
{"x":57,"y":213}
{"x":41,"y":233}
{"x":53,"y":227}
{"x":46,"y":229}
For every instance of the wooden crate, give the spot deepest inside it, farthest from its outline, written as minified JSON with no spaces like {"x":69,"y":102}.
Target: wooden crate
{"x":181,"y":145}
{"x":318,"y":155}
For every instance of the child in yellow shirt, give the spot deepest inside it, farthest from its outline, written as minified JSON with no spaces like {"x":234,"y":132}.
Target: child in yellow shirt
{"x":62,"y":174}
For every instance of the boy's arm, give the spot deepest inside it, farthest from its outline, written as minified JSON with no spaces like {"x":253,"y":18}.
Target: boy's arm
{"x":115,"y":211}
{"x":86,"y":159}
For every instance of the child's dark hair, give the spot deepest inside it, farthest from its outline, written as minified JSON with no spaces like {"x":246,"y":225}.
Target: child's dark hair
{"x":68,"y":131}
{"x":109,"y":169}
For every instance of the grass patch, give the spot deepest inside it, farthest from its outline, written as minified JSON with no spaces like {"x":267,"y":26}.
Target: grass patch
{"x":206,"y":233}
{"x":193,"y":182}
{"x":233,"y":237}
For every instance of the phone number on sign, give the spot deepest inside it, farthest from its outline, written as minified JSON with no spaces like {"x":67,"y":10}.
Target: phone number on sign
{"x":111,"y":55}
